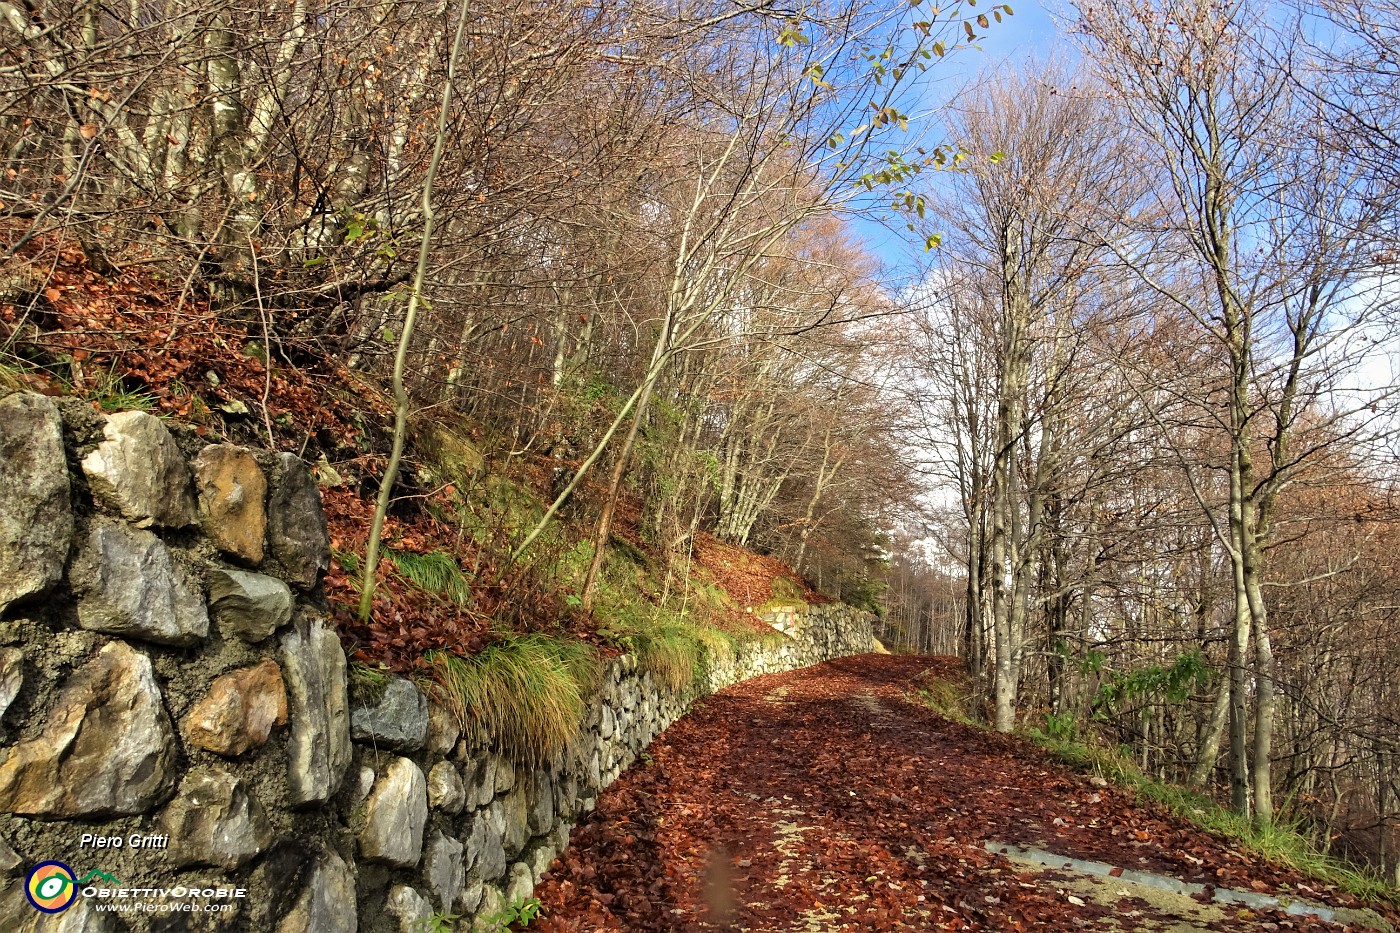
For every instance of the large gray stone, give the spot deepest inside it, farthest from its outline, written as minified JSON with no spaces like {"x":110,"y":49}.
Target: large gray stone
{"x":11,"y":676}
{"x":445,"y":791}
{"x":443,"y":729}
{"x":493,"y":901}
{"x":232,"y":500}
{"x":399,"y":721}
{"x":36,"y":514}
{"x":395,"y":814}
{"x":559,"y":836}
{"x":484,"y":855}
{"x":516,"y":809}
{"x":479,"y":779}
{"x":609,"y":724}
{"x":566,"y":791}
{"x":594,"y":774}
{"x":520,"y":884}
{"x":327,"y":900}
{"x":139,"y":470}
{"x":504,"y":770}
{"x":541,"y":798}
{"x":131,"y":586}
{"x":296,"y":524}
{"x":409,"y":907}
{"x":215,"y":820}
{"x":539,"y":860}
{"x":106,"y":749}
{"x":250,"y":605}
{"x":471,"y":898}
{"x":318,"y":748}
{"x":444,"y":870}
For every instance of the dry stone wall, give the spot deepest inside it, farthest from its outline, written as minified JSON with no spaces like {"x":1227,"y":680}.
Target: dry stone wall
{"x":176,"y":726}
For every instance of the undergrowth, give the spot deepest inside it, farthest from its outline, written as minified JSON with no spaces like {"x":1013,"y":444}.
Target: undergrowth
{"x":366,"y":684}
{"x":945,"y":698}
{"x":436,"y":572}
{"x":525,"y":691}
{"x":1279,"y":843}
{"x":669,"y":654}
{"x":678,"y":641}
{"x":678,"y":654}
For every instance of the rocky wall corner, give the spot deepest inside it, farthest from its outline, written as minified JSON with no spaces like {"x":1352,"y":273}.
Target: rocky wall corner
{"x":176,"y":727}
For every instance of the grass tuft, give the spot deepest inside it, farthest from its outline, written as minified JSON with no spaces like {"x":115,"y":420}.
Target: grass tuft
{"x":436,"y":572}
{"x":670,"y":653}
{"x":716,"y":647}
{"x":526,"y":692}
{"x":366,"y":684}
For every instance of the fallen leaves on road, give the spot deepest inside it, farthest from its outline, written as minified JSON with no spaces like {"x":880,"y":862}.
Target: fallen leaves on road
{"x":821,"y":800}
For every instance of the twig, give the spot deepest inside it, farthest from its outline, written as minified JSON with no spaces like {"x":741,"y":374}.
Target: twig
{"x":267,"y":346}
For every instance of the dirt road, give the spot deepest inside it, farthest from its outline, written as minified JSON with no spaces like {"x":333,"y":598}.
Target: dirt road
{"x":823,"y":800}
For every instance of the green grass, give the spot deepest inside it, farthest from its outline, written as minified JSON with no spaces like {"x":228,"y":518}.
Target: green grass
{"x":13,"y":371}
{"x":786,"y":594}
{"x":771,"y":640}
{"x":519,"y":911}
{"x":672,"y":654}
{"x":366,"y":684}
{"x":526,"y":691}
{"x":436,"y":572}
{"x":440,"y":922}
{"x":112,"y":395}
{"x":676,"y":649}
{"x":716,"y":647}
{"x":677,"y":654}
{"x":946,"y":699}
{"x":349,"y":562}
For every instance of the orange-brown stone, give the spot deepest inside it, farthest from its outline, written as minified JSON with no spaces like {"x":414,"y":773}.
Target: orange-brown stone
{"x":240,"y":710}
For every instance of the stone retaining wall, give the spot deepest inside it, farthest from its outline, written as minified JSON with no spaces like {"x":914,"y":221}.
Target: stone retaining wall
{"x":175,"y":711}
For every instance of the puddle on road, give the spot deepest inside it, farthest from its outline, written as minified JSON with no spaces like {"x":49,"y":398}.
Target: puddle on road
{"x":1168,"y":904}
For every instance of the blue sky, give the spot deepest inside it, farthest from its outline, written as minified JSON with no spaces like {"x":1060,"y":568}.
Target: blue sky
{"x":1029,"y":31}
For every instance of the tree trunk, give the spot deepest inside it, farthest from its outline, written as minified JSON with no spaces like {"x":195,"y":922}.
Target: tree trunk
{"x":1208,"y":752}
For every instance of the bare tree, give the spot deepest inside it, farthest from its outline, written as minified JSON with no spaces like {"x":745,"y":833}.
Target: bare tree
{"x":1270,"y":219}
{"x":1051,"y":162}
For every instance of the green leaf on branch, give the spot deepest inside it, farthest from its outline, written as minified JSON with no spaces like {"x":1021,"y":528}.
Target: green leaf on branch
{"x":792,"y":36}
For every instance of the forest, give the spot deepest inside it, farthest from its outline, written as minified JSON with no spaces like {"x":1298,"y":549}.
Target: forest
{"x":1117,"y":424}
